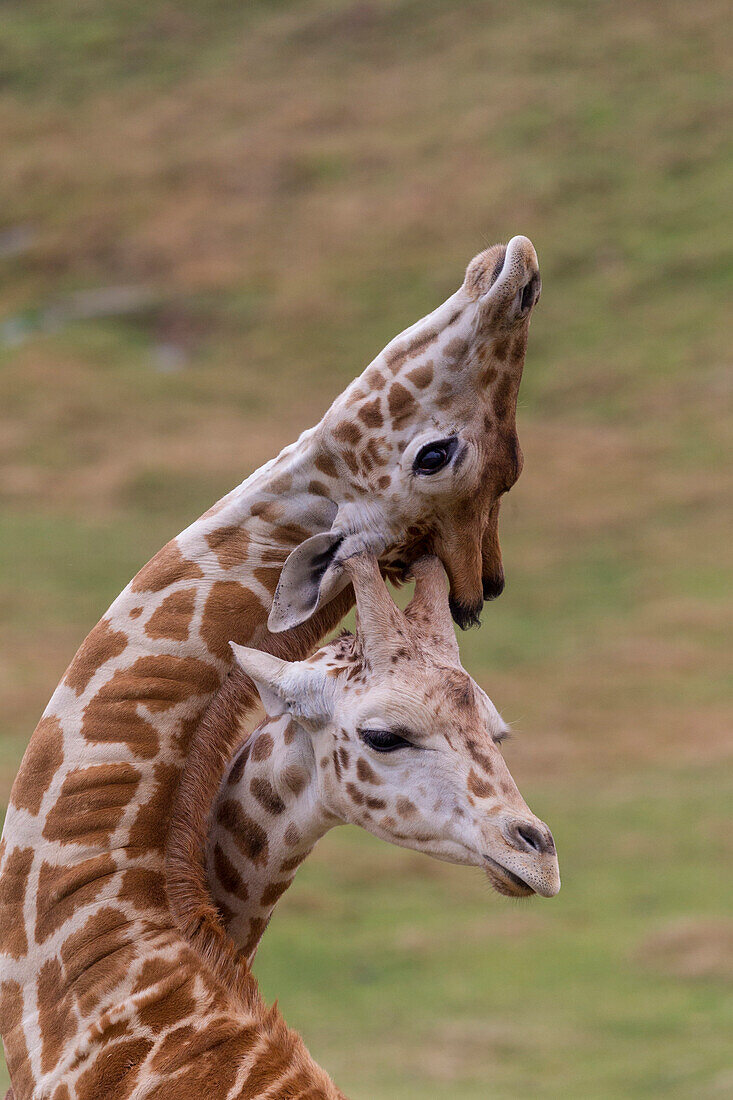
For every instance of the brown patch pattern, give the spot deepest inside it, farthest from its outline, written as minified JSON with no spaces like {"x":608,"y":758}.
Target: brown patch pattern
{"x":101,"y":645}
{"x":228,"y":615}
{"x":11,"y":1027}
{"x":13,"y":885}
{"x":250,"y":838}
{"x":262,"y":747}
{"x":421,"y":376}
{"x":42,"y":759}
{"x":62,"y":890}
{"x":149,"y":829}
{"x":167,"y":567}
{"x":55,"y":1014}
{"x":478,"y":786}
{"x":370,"y":413}
{"x":230,"y":544}
{"x":266,"y":795}
{"x":91,"y":803}
{"x":173,"y":618}
{"x":402,"y":405}
{"x":156,"y":682}
{"x":115,"y":1074}
{"x":228,"y":875}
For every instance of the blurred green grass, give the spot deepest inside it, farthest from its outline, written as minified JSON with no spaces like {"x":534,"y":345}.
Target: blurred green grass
{"x":373,"y":950}
{"x":266,"y":193}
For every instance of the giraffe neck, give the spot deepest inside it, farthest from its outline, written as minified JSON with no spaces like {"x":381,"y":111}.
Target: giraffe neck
{"x":140,"y":682}
{"x":85,"y":923}
{"x":267,"y":817}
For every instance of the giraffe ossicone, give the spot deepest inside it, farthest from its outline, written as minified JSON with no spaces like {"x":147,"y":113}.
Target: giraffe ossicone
{"x":102,"y":991}
{"x":384,"y":730}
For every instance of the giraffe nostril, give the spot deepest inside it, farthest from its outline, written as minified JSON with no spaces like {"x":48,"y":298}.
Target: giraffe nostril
{"x":527,"y":837}
{"x":530,"y":837}
{"x":530,"y":293}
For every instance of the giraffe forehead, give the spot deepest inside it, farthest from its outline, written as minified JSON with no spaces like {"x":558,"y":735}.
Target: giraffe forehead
{"x":421,"y":698}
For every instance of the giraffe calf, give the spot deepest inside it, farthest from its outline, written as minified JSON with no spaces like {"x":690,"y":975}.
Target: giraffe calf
{"x":384,"y":730}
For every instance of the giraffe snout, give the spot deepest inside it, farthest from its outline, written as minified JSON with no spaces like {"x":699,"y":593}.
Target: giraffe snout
{"x":524,"y":857}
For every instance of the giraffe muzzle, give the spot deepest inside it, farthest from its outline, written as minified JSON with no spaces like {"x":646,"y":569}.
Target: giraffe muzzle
{"x":526,"y":862}
{"x":520,"y":273}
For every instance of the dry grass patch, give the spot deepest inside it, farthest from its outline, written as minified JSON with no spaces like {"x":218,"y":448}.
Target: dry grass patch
{"x":691,"y":949}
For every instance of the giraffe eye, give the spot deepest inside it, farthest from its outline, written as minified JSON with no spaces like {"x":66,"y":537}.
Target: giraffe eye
{"x":434,"y":456}
{"x":383,"y":740}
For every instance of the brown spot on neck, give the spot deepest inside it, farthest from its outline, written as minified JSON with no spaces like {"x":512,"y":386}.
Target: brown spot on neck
{"x":266,"y":795}
{"x":56,"y":1017}
{"x":273,"y":892}
{"x":268,"y":576}
{"x":149,"y":829}
{"x":13,"y":885}
{"x":421,"y":376}
{"x":173,"y":618}
{"x":91,"y":804}
{"x":63,"y":890}
{"x":230,"y":544}
{"x":101,"y":645}
{"x":294,"y":778}
{"x":347,"y":432}
{"x":42,"y":759}
{"x":228,"y":875}
{"x":16,"y":1051}
{"x":250,"y":838}
{"x":262,"y":746}
{"x":325,"y":463}
{"x":231,"y":613}
{"x":167,"y":567}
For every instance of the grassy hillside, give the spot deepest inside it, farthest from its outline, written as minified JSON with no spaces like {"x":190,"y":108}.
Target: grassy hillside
{"x":212,"y":216}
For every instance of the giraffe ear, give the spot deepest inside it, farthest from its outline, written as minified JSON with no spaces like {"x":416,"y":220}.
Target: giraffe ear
{"x":287,"y":686}
{"x":310,"y":577}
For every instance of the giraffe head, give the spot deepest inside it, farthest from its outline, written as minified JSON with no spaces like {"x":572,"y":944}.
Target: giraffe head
{"x":416,"y":454}
{"x":403,"y":742}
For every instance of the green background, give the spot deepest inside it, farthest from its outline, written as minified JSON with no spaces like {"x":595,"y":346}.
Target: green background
{"x":212,"y":216}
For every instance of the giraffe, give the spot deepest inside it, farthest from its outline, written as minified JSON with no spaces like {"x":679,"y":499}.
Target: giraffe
{"x":95,"y":973}
{"x":384,"y":730}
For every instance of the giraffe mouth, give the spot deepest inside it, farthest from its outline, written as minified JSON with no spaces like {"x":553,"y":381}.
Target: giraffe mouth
{"x":505,"y":881}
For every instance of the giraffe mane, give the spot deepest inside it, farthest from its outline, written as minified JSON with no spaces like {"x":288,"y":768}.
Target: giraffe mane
{"x":189,"y":900}
{"x":212,"y":745}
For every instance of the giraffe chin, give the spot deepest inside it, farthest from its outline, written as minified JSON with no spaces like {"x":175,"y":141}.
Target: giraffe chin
{"x":506,"y":882}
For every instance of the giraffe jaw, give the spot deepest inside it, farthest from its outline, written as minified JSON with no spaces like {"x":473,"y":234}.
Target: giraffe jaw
{"x":504,"y":881}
